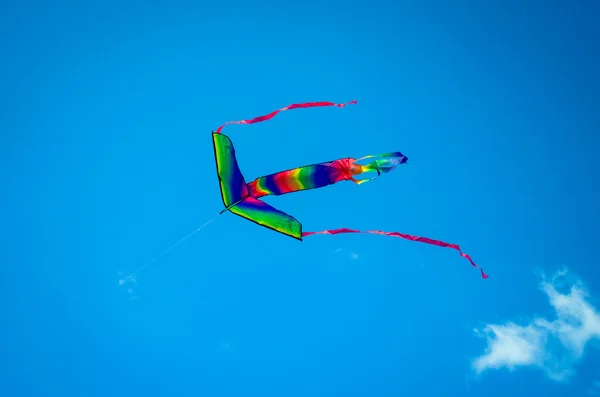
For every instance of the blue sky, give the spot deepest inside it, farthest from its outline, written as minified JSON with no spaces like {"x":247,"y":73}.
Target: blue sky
{"x":107,"y":110}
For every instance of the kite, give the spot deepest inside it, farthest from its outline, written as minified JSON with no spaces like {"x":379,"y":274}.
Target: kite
{"x":244,"y":198}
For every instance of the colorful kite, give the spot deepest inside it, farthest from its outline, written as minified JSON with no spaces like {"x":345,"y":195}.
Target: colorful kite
{"x":243,"y":199}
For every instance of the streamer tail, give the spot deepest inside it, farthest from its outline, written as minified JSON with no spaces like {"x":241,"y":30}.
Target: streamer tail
{"x":269,"y":116}
{"x":404,"y":236}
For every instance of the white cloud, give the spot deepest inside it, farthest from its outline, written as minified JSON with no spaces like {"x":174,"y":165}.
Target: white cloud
{"x":554,"y":346}
{"x":123,"y":283}
{"x":352,"y":255}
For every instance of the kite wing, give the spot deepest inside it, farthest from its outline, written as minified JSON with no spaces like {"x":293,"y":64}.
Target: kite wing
{"x":231,"y":181}
{"x":234,"y":193}
{"x":263,"y":214}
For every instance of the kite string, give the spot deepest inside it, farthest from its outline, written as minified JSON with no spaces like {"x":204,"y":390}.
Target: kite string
{"x":171,"y":247}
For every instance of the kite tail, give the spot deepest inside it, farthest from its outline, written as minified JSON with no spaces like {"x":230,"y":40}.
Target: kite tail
{"x":385,"y":163}
{"x":404,"y":236}
{"x":290,"y":107}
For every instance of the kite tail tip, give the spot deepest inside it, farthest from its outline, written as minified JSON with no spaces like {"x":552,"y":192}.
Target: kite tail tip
{"x":352,"y":102}
{"x":483,"y":275}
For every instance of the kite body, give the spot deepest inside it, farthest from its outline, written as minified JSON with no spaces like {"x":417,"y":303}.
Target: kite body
{"x":320,"y":175}
{"x":301,"y":178}
{"x":242,"y":198}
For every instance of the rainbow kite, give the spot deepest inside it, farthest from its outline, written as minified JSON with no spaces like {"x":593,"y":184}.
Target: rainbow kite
{"x":243,"y":199}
